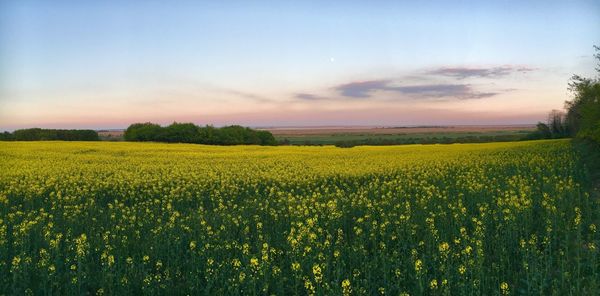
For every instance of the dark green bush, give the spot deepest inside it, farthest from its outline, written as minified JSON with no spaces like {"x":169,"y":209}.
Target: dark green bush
{"x":191,"y":133}
{"x":39,"y":134}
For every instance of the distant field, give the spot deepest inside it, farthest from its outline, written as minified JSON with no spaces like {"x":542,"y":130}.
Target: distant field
{"x":333,"y":135}
{"x":111,"y":135}
{"x":395,"y":130}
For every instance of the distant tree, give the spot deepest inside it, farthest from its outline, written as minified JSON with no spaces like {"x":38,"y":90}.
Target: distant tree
{"x":232,"y":135}
{"x":191,"y":133}
{"x":556,"y":127}
{"x":544,"y":131}
{"x":6,"y":136}
{"x":180,"y":133}
{"x":30,"y":134}
{"x":143,"y":132}
{"x":557,"y":124}
{"x":38,"y":134}
{"x":208,"y":135}
{"x":266,"y":138}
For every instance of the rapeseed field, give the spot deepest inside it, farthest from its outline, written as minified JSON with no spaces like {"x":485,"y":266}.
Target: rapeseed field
{"x":177,"y":219}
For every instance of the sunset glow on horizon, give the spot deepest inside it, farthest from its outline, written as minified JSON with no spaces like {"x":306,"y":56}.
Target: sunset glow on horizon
{"x":105,"y":65}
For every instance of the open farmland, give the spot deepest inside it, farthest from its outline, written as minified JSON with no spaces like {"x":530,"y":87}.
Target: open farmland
{"x":330,"y":130}
{"x":329,"y":135}
{"x":131,"y":218}
{"x":400,"y":135}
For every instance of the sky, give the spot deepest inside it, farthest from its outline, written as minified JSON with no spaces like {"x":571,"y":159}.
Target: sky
{"x":106,"y":64}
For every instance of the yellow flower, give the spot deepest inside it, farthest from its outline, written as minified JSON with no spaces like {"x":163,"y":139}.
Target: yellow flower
{"x":418,"y":265}
{"x":433,"y":284}
{"x":16,"y":261}
{"x":346,"y":283}
{"x":504,"y":288}
{"x":295,"y":266}
{"x":310,"y":289}
{"x":443,"y":247}
{"x":82,"y":245}
{"x":398,"y":272}
{"x":468,"y":250}
{"x":254,"y":262}
{"x":317,"y":273}
{"x":577,"y":219}
{"x":276,"y":270}
{"x":346,"y":288}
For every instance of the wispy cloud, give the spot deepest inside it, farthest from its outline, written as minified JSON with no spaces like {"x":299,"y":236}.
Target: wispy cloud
{"x":362,"y":89}
{"x":309,"y":97}
{"x":365,"y":89}
{"x":434,"y":90}
{"x":439,"y":83}
{"x":467,"y":72}
{"x":247,"y":95}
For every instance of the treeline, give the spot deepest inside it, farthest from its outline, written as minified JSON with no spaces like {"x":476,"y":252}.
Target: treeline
{"x":40,"y":134}
{"x":191,"y":133}
{"x":582,"y":116}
